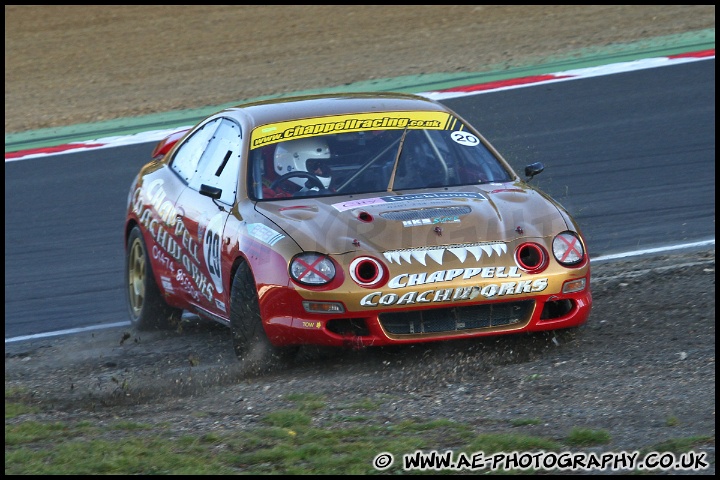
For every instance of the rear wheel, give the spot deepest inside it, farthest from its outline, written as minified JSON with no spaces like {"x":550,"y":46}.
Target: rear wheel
{"x":146,"y":305}
{"x":250,"y":342}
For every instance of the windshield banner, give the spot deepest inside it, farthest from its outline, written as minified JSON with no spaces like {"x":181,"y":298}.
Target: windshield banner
{"x":358,"y":122}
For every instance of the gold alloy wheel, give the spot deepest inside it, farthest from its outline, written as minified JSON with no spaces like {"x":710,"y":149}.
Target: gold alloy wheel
{"x":136,"y":276}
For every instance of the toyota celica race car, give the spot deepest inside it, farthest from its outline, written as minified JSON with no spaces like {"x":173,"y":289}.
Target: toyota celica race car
{"x":347,"y":220}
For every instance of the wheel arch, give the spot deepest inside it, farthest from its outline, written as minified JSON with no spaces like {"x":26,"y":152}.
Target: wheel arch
{"x":129,"y":225}
{"x":239,"y":260}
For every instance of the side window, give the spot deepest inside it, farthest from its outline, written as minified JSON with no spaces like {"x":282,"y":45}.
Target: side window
{"x":185,"y":162}
{"x":220,"y":162}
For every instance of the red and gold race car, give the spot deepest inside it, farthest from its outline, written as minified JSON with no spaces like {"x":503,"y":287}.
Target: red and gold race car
{"x":348,"y":220}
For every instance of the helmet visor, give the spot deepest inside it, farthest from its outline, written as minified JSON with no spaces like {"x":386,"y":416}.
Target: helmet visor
{"x":317,"y":167}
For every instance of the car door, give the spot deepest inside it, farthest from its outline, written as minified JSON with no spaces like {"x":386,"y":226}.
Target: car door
{"x":201,"y":218}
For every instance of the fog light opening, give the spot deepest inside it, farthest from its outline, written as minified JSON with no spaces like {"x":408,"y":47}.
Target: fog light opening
{"x":349,"y":327}
{"x":556,"y":309}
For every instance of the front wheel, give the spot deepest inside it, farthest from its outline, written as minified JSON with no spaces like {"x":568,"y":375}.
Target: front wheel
{"x":250,"y":342}
{"x":146,"y":305}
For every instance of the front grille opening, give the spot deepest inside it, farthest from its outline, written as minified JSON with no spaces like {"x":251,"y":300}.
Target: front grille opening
{"x":457,"y":319}
{"x":353,"y":327}
{"x":556,"y":309}
{"x":423,"y":213}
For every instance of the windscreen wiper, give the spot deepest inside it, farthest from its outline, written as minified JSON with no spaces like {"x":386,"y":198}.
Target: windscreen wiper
{"x":367,"y":165}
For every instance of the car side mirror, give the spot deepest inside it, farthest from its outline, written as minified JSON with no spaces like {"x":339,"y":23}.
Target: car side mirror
{"x":212,"y":192}
{"x":533,"y":169}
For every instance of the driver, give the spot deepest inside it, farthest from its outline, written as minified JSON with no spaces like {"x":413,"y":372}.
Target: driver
{"x":307,"y":157}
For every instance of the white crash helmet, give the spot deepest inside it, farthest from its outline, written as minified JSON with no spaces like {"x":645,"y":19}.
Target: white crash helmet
{"x":297,"y":155}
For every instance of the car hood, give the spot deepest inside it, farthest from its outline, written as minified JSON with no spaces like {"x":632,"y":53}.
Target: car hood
{"x":377,"y":223}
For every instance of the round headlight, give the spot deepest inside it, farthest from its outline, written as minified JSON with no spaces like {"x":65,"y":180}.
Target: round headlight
{"x":568,"y":249}
{"x":310,"y":268}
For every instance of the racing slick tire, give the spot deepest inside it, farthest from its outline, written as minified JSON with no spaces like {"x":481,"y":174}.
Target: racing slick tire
{"x":146,"y":305}
{"x":250,"y":342}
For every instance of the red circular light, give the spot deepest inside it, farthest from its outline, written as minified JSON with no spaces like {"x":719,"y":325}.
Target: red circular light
{"x":367,"y":271}
{"x":531,"y":257}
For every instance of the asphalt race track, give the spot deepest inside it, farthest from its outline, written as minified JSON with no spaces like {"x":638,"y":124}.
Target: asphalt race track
{"x":630,"y":155}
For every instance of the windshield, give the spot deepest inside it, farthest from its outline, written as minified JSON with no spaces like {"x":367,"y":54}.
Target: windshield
{"x":372,"y":161}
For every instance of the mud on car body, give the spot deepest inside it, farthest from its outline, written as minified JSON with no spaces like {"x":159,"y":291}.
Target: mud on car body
{"x":347,"y":220}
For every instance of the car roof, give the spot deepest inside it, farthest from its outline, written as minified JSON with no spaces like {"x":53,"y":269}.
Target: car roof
{"x":290,"y":108}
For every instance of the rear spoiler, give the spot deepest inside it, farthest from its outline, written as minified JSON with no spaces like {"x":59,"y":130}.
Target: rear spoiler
{"x":164,"y":145}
